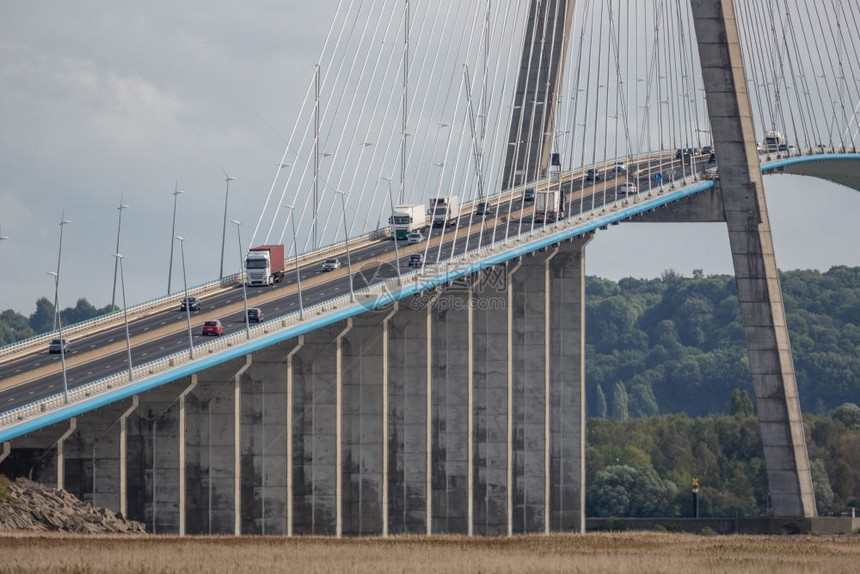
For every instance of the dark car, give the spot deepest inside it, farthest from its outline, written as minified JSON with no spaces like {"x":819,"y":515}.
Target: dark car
{"x":593,"y":175}
{"x":712,"y":158}
{"x":59,"y":346}
{"x":485,"y":208}
{"x":213,"y":327}
{"x":415,"y":260}
{"x":707,"y":150}
{"x":255,"y":315}
{"x":529,"y":195}
{"x":191,"y":302}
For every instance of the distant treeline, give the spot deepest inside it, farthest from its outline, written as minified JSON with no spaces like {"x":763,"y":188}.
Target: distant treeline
{"x":643,"y":467}
{"x":14,"y":326}
{"x":676,"y":344}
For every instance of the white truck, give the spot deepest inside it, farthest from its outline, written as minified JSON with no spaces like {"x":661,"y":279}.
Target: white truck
{"x":406,"y":219}
{"x":774,"y":141}
{"x":445,"y":210}
{"x":264,"y":265}
{"x":548,"y":206}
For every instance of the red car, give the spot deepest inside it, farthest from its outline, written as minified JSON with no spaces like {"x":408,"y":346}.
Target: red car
{"x":213,"y":328}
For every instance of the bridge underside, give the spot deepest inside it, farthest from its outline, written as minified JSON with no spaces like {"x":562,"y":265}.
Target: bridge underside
{"x":457,"y":412}
{"x":841,"y":172}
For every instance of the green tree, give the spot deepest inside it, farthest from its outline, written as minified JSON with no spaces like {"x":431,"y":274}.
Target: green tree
{"x":42,"y":319}
{"x":742,"y":405}
{"x":622,"y":490}
{"x":619,"y":410}
{"x":601,"y":403}
{"x":848,"y":414}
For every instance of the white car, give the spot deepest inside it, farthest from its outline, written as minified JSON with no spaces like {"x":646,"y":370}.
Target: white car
{"x":628,"y":188}
{"x":331,"y":264}
{"x":620,"y":167}
{"x":414,"y":238}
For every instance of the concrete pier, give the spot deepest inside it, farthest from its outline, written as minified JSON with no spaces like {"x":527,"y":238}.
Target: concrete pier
{"x":456,"y":411}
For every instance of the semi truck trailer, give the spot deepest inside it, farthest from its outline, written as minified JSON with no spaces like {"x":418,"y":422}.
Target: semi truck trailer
{"x":264,"y":265}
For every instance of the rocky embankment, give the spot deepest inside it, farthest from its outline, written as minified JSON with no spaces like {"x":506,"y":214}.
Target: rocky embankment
{"x":28,"y":506}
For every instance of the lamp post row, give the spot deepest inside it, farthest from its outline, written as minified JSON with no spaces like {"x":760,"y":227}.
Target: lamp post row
{"x":119,"y":272}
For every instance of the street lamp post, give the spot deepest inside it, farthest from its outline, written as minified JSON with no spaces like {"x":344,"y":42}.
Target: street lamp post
{"x":116,"y":260}
{"x":242,"y":278}
{"x":187,"y":304}
{"x":342,"y":195}
{"x":59,"y":321}
{"x":63,"y":223}
{"x":176,"y":193}
{"x":119,"y":259}
{"x":296,"y":249}
{"x":394,"y":233}
{"x":227,"y":179}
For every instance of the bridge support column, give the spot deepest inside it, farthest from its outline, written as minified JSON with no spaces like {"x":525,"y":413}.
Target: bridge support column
{"x":265,"y":436}
{"x":61,"y":454}
{"x":155,"y":452}
{"x":315,"y":510}
{"x":213,"y":445}
{"x":4,"y":452}
{"x":451,"y":378}
{"x":565,"y":424}
{"x":491,"y":400}
{"x":364,"y":378}
{"x":290,"y":439}
{"x":94,"y":467}
{"x":183,"y":425}
{"x":407,"y":418}
{"x":757,"y":276}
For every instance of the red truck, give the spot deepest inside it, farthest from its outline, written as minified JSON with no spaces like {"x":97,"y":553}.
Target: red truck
{"x":264,"y":265}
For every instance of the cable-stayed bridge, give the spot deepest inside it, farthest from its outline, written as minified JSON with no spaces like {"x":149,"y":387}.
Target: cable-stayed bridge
{"x":438,"y":386}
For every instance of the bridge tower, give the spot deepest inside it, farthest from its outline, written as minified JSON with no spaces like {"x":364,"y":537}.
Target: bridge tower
{"x":744,"y":210}
{"x":537,"y":93}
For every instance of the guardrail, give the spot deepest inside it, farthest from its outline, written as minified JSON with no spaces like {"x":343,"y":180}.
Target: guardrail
{"x":426,"y":277}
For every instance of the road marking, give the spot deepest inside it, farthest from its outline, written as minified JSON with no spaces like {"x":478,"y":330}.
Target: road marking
{"x":31,"y":392}
{"x":146,"y":329}
{"x":10,"y":400}
{"x":92,"y":346}
{"x":107,"y":366}
{"x":110,"y":340}
{"x":50,"y":386}
{"x":37,"y":364}
{"x":144,"y":354}
{"x":90,"y":373}
{"x":161,"y":348}
{"x":18,"y":371}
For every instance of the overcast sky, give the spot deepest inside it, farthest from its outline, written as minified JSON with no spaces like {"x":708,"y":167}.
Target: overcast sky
{"x":100,"y":101}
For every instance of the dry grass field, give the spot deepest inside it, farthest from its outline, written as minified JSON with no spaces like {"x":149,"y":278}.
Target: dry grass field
{"x":593,"y":553}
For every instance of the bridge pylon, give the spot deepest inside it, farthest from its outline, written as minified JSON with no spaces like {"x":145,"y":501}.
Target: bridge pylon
{"x":759,"y":291}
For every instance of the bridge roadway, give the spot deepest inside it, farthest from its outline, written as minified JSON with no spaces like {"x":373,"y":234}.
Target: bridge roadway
{"x":36,"y":375}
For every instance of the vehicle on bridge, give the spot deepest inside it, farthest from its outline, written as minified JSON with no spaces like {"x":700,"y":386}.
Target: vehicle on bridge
{"x":529,"y":195}
{"x":416,"y":260}
{"x":264,"y":265}
{"x":593,"y":175}
{"x":445,"y":210}
{"x":414,"y":238}
{"x":212,"y":327}
{"x":191,"y":303}
{"x":58,"y":346}
{"x":255,"y":315}
{"x":485,"y":208}
{"x":406,"y":219}
{"x":774,"y":141}
{"x":628,"y":188}
{"x":331,"y":264}
{"x":548,"y":206}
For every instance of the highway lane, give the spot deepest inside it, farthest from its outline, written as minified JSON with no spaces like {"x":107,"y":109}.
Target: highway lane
{"x":275,"y":301}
